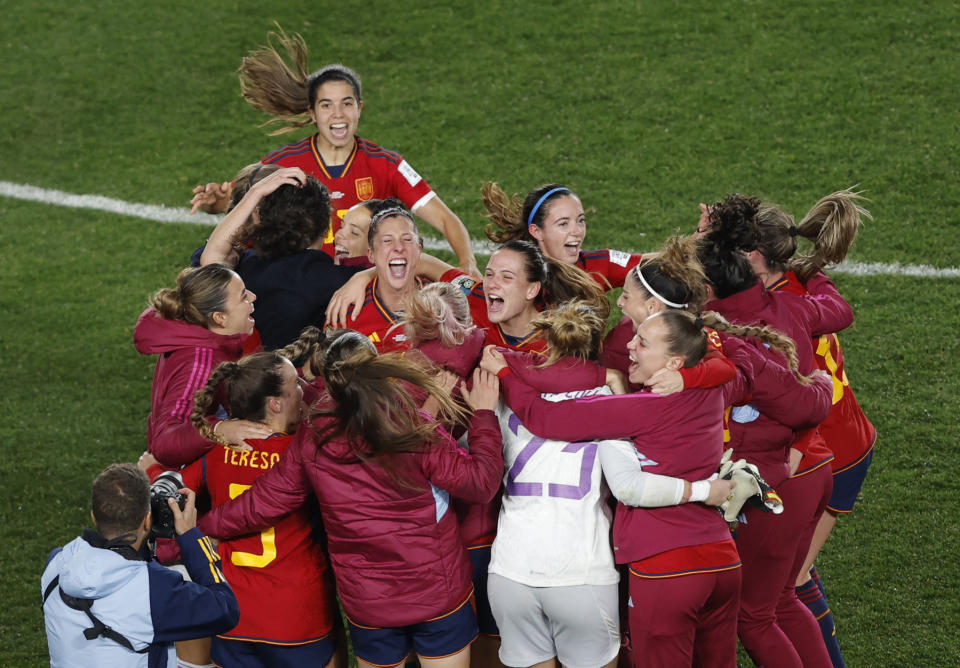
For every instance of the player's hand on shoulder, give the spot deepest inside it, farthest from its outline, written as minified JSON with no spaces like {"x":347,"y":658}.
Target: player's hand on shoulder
{"x":485,"y":393}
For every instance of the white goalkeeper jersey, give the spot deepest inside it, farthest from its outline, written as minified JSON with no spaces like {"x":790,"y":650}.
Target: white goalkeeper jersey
{"x":554,"y":525}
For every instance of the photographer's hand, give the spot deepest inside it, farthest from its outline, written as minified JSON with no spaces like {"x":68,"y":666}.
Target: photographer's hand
{"x":186,"y":519}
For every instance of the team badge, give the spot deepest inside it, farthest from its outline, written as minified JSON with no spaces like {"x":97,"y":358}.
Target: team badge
{"x":364,"y":188}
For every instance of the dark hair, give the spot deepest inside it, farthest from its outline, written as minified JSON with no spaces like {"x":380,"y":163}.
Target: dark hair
{"x":333,"y":72}
{"x":200,"y":292}
{"x":733,"y":230}
{"x":120,"y":499}
{"x":285,"y":91}
{"x":291,"y":219}
{"x":559,"y":282}
{"x":373,"y":205}
{"x":391,"y":207}
{"x":510,"y":217}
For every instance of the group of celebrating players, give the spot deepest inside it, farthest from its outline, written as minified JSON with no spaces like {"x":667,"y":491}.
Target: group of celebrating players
{"x":471,"y":464}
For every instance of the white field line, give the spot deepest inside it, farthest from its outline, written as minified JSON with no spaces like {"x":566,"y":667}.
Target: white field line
{"x":165,"y":214}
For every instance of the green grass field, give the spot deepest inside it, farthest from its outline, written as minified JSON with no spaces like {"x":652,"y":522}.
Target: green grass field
{"x":644,"y":108}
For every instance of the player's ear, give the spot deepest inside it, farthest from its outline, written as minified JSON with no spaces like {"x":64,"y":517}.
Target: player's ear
{"x":535,"y":231}
{"x":674,"y":363}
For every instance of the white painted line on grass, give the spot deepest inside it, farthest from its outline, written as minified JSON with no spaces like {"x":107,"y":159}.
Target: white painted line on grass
{"x":166,"y":214}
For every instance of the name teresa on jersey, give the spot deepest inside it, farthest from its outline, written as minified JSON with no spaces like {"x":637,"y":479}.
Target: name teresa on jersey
{"x":255,"y":459}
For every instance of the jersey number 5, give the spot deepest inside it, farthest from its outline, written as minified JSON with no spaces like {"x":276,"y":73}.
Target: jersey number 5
{"x":268,"y":539}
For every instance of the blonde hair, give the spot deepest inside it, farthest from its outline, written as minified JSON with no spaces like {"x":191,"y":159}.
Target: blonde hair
{"x":200,"y":292}
{"x":675,"y":273}
{"x":831,"y":225}
{"x":572,"y":329}
{"x":438,"y":311}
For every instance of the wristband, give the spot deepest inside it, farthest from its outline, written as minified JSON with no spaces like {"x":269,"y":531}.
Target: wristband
{"x":699,"y":491}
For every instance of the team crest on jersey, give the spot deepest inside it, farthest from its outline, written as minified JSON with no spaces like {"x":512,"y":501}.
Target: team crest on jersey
{"x":364,"y":188}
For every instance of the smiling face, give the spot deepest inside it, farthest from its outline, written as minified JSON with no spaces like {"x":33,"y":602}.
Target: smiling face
{"x":336,"y":112}
{"x":648,"y":351}
{"x":395,"y":253}
{"x":237,"y":314}
{"x":508,"y":292}
{"x":635,"y":302}
{"x":564,"y":228}
{"x":351,"y":239}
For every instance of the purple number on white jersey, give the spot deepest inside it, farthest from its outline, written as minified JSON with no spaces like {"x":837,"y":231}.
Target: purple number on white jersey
{"x":556,"y":490}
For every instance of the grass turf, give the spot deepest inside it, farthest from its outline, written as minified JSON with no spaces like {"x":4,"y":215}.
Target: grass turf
{"x":643,"y":108}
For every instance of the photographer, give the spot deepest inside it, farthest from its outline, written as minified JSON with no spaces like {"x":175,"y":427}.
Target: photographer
{"x":106,"y":603}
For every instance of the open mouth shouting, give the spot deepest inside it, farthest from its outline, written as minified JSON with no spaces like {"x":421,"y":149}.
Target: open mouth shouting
{"x":398,"y":268}
{"x":339,"y":130}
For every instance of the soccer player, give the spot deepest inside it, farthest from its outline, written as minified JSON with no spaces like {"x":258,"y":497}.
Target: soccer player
{"x":684,"y":568}
{"x":383,"y":472}
{"x":280,"y":576}
{"x":353,"y":169}
{"x":832,"y":225}
{"x":205,"y":320}
{"x":774,"y":626}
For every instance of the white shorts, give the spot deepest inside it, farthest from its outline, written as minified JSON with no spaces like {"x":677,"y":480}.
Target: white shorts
{"x":580,"y":624}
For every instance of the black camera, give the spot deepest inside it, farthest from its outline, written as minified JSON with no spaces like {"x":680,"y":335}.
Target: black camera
{"x":166,"y":486}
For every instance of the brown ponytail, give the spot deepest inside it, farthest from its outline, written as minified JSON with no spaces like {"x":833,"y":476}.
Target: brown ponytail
{"x":504,"y":213}
{"x":372,"y":408}
{"x":200,"y":292}
{"x":832,"y":224}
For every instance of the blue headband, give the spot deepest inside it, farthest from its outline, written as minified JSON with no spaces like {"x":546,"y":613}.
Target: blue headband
{"x":533,"y":211}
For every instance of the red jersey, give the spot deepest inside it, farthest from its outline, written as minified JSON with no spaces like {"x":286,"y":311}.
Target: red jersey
{"x":376,"y":322}
{"x":371,"y":172}
{"x":280,"y":576}
{"x":608,"y":267}
{"x":495,"y":336}
{"x":847,"y":430}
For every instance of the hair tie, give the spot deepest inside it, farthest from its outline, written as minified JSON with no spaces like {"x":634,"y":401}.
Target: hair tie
{"x":793,"y":230}
{"x":536,"y":207}
{"x":698,"y":322}
{"x":654,"y":293}
{"x":253,"y":175}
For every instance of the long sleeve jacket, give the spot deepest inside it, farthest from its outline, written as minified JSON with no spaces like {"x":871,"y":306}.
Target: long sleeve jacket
{"x":394,"y":545}
{"x":188,"y":354}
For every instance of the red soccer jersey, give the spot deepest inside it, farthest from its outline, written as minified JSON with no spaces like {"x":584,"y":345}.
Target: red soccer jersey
{"x":376,"y":322}
{"x":280,"y":576}
{"x":371,"y":172}
{"x":608,"y":267}
{"x":473,"y":289}
{"x":847,"y":430}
